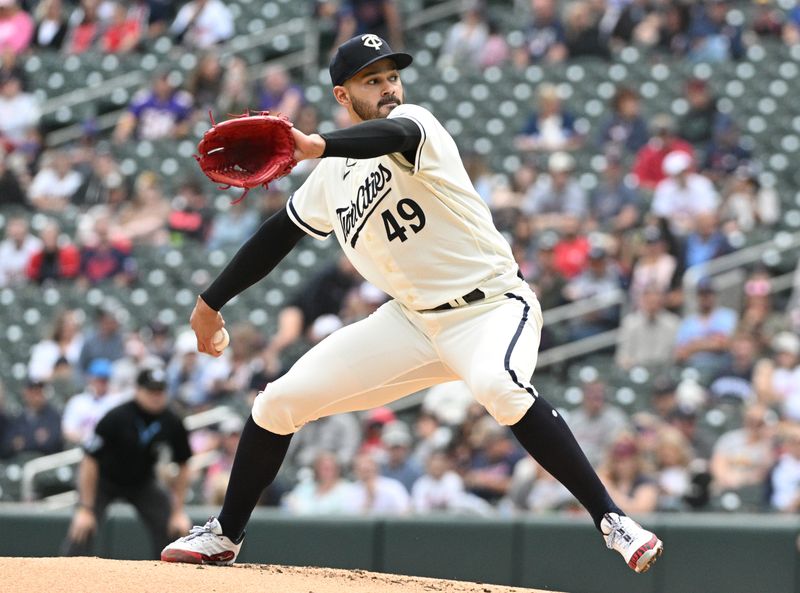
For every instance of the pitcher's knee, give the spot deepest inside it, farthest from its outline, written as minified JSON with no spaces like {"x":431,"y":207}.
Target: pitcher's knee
{"x":503,"y":399}
{"x":273,"y":411}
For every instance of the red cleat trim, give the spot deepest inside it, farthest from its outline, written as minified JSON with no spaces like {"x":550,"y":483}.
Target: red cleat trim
{"x":634,"y":561}
{"x":188,"y":557}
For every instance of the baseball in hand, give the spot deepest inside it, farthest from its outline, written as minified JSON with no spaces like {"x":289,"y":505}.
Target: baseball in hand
{"x":221,"y":339}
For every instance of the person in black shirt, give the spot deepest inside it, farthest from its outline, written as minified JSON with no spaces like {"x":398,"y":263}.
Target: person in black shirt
{"x":120,"y":461}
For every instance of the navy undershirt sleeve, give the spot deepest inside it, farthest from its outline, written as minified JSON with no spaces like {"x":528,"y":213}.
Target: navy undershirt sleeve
{"x":255,"y":259}
{"x":374,"y":138}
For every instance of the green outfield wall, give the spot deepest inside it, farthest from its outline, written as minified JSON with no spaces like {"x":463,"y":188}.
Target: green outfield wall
{"x":704,"y":553}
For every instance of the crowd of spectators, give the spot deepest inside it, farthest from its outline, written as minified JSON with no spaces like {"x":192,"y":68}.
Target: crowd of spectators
{"x":672,"y":193}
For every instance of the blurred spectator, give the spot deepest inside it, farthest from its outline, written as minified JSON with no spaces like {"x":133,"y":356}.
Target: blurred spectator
{"x":19,"y":111}
{"x":545,"y":278}
{"x":279,"y":94}
{"x":339,"y":435}
{"x":747,"y":204}
{"x":727,"y":153}
{"x":624,"y":130}
{"x":104,"y":258}
{"x":494,"y":456}
{"x":550,"y":127}
{"x":465,"y":40}
{"x":104,"y":183}
{"x":626,"y":478}
{"x":663,"y":399}
{"x":191,"y":381}
{"x":323,"y":294}
{"x":703,"y":121}
{"x":600,"y":278}
{"x":647,"y":335}
{"x":672,"y":34}
{"x":703,"y":338}
{"x":5,"y":423}
{"x":200,"y":24}
{"x":51,"y":25}
{"x":557,"y":197}
{"x":791,"y":31}
{"x":700,"y":437}
{"x":374,"y":421}
{"x":105,"y":340}
{"x":735,"y":380}
{"x":440,"y":488}
{"x":233,"y":226}
{"x":546,"y":494}
{"x":205,"y":81}
{"x":654,"y":267}
{"x":374,"y":494}
{"x":785,"y":476}
{"x":379,"y":17}
{"x":234,"y":96}
{"x":430,"y":435}
{"x":57,"y":259}
{"x":327,"y":493}
{"x":55,"y":183}
{"x":683,"y":195}
{"x":37,"y":428}
{"x":706,"y":241}
{"x":218,"y":473}
{"x":16,"y":28}
{"x":399,"y":465}
{"x":776,"y":378}
{"x":582,"y":32}
{"x":767,"y":20}
{"x":614,"y":205}
{"x":160,"y":112}
{"x":743,"y":457}
{"x":85,"y":27}
{"x":648,"y":165}
{"x":16,"y":251}
{"x":496,"y":50}
{"x":673,"y":454}
{"x":84,"y":410}
{"x":143,"y":220}
{"x":120,"y":462}
{"x":11,"y":192}
{"x":190,"y":216}
{"x":713,"y":37}
{"x":123,"y":32}
{"x":596,"y":423}
{"x":60,"y":352}
{"x":571,"y":251}
{"x":544,"y":38}
{"x":760,"y":318}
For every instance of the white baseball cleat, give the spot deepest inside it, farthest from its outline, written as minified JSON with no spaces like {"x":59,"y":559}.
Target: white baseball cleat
{"x":203,"y":545}
{"x":639,"y":547}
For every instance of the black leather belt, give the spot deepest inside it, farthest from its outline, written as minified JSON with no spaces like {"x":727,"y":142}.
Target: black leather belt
{"x":470,"y":297}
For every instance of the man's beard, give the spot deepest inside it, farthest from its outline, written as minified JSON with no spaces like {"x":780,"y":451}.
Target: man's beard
{"x":367,"y":111}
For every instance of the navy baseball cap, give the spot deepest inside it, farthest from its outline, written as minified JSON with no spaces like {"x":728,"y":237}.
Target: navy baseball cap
{"x":361,"y":51}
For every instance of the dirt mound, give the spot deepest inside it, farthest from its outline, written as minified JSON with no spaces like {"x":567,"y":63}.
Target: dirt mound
{"x":97,"y":575}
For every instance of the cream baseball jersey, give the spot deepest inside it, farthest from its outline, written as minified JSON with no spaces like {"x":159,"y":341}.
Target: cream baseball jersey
{"x":418,"y":231}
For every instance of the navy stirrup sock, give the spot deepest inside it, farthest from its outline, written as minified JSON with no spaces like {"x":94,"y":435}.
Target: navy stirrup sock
{"x":546,"y":436}
{"x":258,"y":458}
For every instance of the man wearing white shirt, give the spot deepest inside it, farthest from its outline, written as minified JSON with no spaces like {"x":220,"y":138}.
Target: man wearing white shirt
{"x":15,"y":252}
{"x":19,"y":111}
{"x":54,"y":184}
{"x":440,"y":489}
{"x":203,"y":23}
{"x":683,"y":194}
{"x":374,"y":494}
{"x":84,"y":410}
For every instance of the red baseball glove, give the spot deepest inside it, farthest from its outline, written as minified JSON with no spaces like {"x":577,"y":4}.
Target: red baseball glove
{"x":247,"y":150}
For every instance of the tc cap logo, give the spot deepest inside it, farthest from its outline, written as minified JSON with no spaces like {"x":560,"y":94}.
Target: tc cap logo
{"x":373,"y":41}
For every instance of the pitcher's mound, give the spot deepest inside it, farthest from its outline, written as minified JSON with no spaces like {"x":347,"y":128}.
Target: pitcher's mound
{"x":96,"y":575}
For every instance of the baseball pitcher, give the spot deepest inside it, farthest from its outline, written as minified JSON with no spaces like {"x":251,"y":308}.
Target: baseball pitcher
{"x":394,"y":192}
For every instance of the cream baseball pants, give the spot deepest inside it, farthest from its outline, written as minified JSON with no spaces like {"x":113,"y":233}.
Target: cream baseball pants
{"x":491,"y":345}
